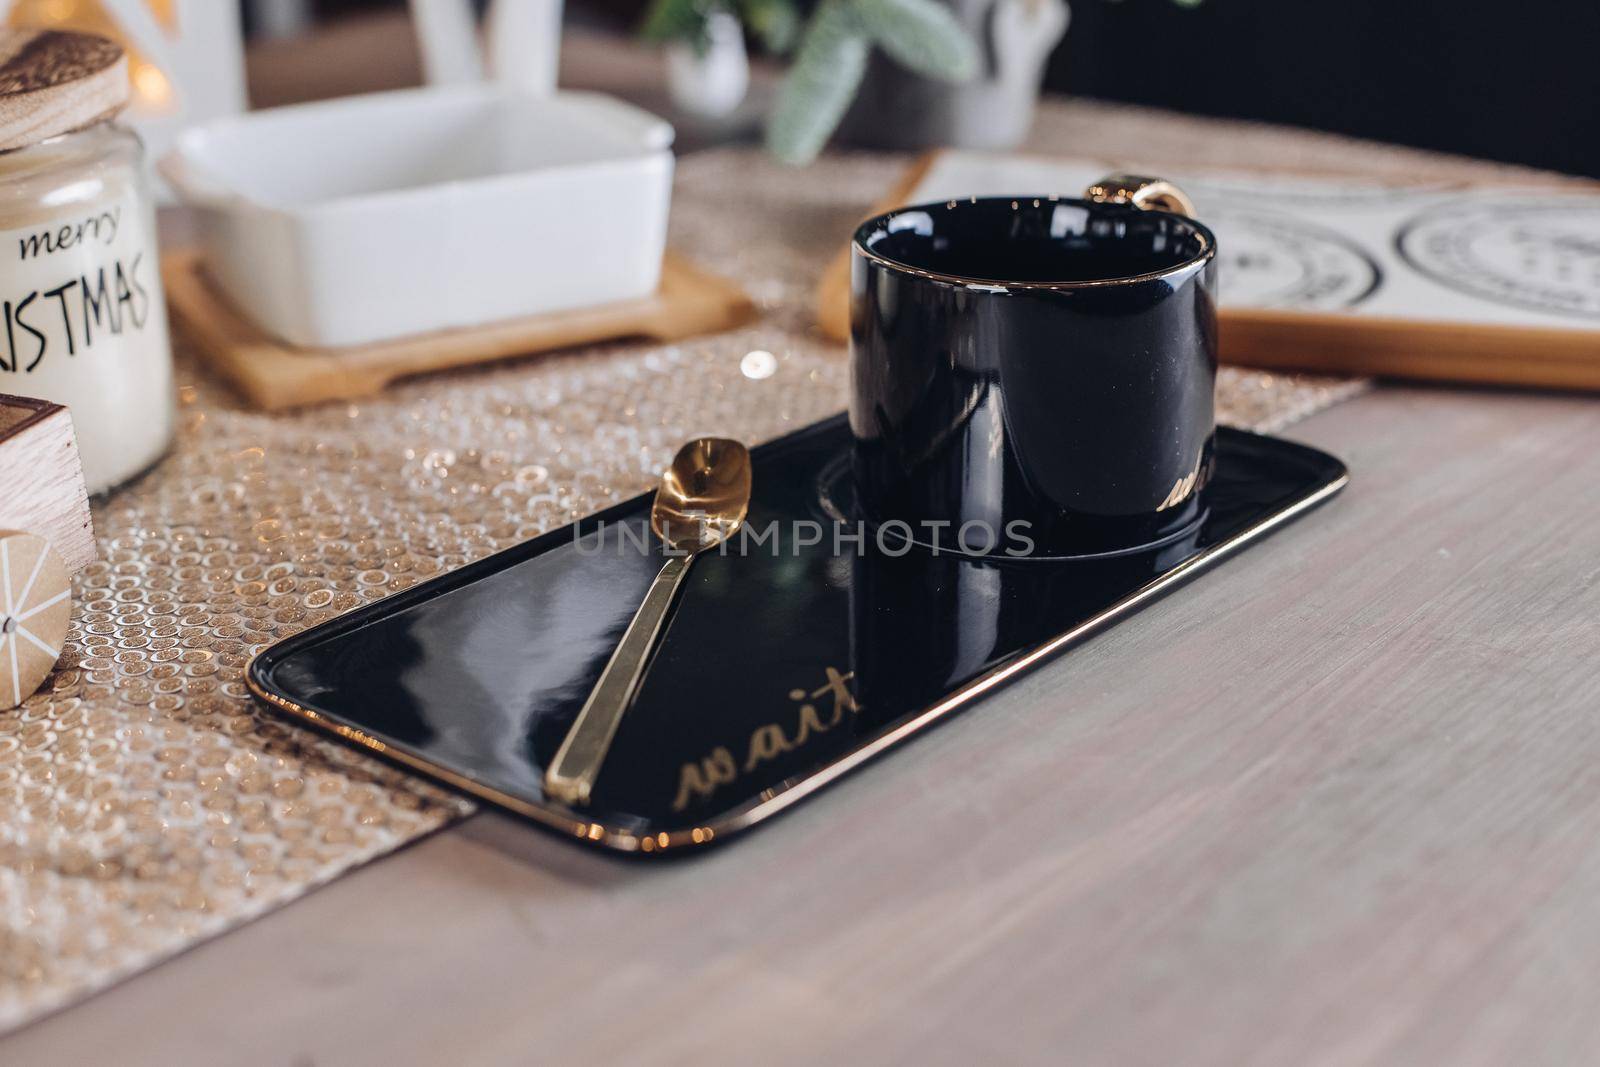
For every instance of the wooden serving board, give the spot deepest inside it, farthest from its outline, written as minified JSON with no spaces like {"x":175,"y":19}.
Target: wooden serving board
{"x":1393,"y":280}
{"x":273,"y":375}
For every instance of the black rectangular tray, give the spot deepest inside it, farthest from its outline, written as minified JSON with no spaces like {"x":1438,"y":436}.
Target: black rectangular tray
{"x":782,"y":668}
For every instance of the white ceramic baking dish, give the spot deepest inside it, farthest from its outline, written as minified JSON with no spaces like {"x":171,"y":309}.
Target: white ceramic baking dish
{"x":400,"y":213}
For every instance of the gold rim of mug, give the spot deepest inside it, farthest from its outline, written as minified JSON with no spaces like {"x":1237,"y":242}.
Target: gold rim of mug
{"x":1207,"y":253}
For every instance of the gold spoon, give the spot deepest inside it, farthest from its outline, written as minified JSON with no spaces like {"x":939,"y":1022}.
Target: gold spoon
{"x":702,"y":501}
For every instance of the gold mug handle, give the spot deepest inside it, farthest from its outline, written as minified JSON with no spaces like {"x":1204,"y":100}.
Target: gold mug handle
{"x":1142,"y":192}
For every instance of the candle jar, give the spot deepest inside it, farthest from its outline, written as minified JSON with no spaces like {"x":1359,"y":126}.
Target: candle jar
{"x":82,"y":317}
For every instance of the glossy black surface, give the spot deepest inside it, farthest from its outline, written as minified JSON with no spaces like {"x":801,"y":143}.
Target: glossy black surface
{"x":774,"y":667}
{"x":1049,"y":361}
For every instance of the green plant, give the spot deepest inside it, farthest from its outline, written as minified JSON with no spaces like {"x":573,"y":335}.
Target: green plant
{"x":830,"y":53}
{"x":774,"y":22}
{"x":831,"y":59}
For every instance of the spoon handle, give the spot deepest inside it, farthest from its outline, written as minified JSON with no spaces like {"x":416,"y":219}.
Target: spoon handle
{"x":571,"y":775}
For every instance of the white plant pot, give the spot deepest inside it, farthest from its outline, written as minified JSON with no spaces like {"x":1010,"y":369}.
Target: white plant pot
{"x":899,"y":109}
{"x":710,"y":84}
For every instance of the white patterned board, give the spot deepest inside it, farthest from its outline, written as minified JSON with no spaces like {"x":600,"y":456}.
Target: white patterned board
{"x":1429,"y":253}
{"x":1443,"y":282}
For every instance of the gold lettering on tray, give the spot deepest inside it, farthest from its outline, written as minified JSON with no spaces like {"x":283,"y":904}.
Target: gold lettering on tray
{"x":698,"y":779}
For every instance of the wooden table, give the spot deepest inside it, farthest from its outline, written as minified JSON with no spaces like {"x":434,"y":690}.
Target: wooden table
{"x":1338,"y":802}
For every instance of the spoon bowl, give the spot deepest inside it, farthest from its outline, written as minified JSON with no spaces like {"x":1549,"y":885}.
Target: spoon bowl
{"x":704,"y":496}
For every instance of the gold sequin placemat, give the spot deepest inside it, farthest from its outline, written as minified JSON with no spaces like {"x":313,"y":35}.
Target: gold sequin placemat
{"x":145,"y":804}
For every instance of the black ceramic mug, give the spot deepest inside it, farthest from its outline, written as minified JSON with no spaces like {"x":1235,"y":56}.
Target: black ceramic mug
{"x":1038,"y":372}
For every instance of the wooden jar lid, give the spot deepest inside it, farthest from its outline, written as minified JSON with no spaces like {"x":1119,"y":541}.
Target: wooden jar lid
{"x":35,"y":609}
{"x":53,"y":83}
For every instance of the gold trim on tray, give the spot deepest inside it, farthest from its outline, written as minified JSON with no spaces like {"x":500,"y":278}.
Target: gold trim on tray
{"x":772,"y":801}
